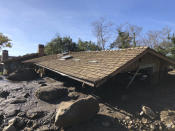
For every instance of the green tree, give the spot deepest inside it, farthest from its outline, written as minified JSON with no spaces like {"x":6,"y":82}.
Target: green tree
{"x":87,"y":46}
{"x":172,"y":49}
{"x":60,"y":45}
{"x":4,"y":41}
{"x":123,"y":40}
{"x":167,"y":47}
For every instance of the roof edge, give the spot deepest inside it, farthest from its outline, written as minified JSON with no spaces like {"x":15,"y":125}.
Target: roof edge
{"x":147,"y":50}
{"x":69,"y":76}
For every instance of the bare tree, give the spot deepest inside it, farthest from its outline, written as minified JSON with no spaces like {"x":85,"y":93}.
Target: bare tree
{"x":102,"y":30}
{"x":134,"y":32}
{"x":157,"y":38}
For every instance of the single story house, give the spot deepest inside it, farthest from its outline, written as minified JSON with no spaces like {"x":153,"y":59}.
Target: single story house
{"x":94,"y":68}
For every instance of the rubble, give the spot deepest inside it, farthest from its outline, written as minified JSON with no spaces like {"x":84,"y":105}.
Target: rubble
{"x":29,"y":107}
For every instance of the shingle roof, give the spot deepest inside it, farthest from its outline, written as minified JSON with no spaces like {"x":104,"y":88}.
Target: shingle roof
{"x":92,"y":66}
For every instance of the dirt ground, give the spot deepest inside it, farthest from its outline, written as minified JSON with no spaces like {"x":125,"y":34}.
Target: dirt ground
{"x":119,"y":110}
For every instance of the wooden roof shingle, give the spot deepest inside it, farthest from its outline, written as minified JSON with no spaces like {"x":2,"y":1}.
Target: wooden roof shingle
{"x":91,"y":67}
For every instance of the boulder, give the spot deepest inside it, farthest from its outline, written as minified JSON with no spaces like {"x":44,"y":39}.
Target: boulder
{"x":72,"y":113}
{"x":49,"y":93}
{"x":22,"y":75}
{"x":149,"y":112}
{"x":12,"y":112}
{"x":18,"y":100}
{"x":4,"y":94}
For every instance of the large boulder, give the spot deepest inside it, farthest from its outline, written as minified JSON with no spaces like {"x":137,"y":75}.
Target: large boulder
{"x":49,"y":93}
{"x":72,"y":113}
{"x":22,"y":75}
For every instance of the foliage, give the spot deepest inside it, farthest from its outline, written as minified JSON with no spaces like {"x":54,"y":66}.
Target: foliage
{"x":4,"y":41}
{"x":87,"y":46}
{"x":167,"y":47}
{"x":134,"y":32}
{"x":123,"y":40}
{"x":65,"y":44}
{"x":60,"y":45}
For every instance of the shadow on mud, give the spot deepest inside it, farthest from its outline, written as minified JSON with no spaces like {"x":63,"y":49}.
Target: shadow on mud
{"x":99,"y":123}
{"x":158,"y":97}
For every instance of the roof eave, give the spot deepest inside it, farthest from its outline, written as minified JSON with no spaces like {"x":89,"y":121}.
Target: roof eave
{"x":92,"y":84}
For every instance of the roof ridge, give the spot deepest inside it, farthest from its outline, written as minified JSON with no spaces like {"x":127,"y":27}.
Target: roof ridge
{"x":131,"y":48}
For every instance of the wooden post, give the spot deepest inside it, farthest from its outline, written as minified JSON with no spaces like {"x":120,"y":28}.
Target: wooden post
{"x":132,"y":78}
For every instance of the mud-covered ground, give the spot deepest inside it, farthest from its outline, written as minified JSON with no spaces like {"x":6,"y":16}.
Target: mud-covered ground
{"x":118,"y":111}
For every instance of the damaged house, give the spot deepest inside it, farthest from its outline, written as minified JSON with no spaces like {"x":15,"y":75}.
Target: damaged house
{"x":94,"y":68}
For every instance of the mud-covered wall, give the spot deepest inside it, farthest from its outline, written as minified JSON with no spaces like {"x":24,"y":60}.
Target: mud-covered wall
{"x":11,"y":67}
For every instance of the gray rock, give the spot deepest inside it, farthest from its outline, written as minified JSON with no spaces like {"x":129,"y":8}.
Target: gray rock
{"x":49,"y":94}
{"x":149,"y":112}
{"x":34,"y":114}
{"x":12,"y":112}
{"x":4,"y":94}
{"x":21,"y":114}
{"x":26,"y":95}
{"x":18,"y":100}
{"x":72,"y":113}
{"x":18,"y":122}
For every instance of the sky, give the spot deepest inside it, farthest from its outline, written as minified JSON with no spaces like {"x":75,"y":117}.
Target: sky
{"x":31,"y":22}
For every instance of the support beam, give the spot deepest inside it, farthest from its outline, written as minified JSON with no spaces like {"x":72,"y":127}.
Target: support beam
{"x":132,"y":78}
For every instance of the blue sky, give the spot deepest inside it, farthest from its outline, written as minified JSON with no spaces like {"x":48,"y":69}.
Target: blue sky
{"x":30,"y":22}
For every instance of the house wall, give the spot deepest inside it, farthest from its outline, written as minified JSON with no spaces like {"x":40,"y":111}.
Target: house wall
{"x":11,"y":66}
{"x":159,"y":67}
